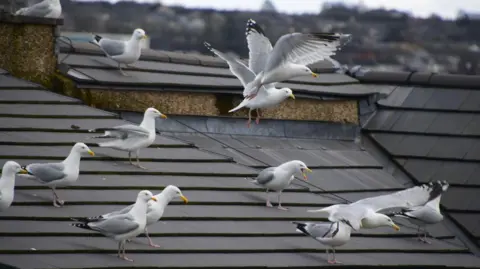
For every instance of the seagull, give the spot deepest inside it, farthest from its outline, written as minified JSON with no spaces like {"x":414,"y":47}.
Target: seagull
{"x":45,"y":9}
{"x":267,"y":96}
{"x":424,"y":215}
{"x":332,"y":234}
{"x":60,"y":174}
{"x":122,"y":52}
{"x":155,"y":210}
{"x":122,"y":226}
{"x":290,"y":55}
{"x":363,"y":213}
{"x":279,"y":177}
{"x":131,"y":137}
{"x":7,"y":183}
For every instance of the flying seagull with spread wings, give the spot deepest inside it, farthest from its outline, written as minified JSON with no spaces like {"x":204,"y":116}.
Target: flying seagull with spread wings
{"x":290,"y":55}
{"x":268,"y":95}
{"x":364,"y":213}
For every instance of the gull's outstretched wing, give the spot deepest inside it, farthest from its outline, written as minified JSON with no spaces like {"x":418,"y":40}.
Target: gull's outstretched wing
{"x":304,"y":49}
{"x":259,"y":47}
{"x":242,"y":72}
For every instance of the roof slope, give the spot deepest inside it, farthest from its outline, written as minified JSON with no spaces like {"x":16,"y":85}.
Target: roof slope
{"x":434,"y":134}
{"x":226,"y":224}
{"x":86,"y":64}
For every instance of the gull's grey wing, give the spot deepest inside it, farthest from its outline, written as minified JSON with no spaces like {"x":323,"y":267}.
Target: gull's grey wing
{"x":112,"y":47}
{"x":124,"y":131}
{"x":46,"y":172}
{"x":319,"y":230}
{"x":118,"y":212}
{"x":411,"y":197}
{"x":265,"y":176}
{"x":115,"y":225}
{"x":259,"y":47}
{"x":303,"y":48}
{"x":38,"y":10}
{"x":242,"y":72}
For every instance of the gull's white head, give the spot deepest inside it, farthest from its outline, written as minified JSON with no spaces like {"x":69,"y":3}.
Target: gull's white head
{"x":146,"y":196}
{"x":11,"y":167}
{"x":287,"y":93}
{"x":152,"y":112}
{"x":301,"y":167}
{"x":379,"y":220}
{"x":174,"y":192}
{"x":302,"y":70}
{"x":139,"y":34}
{"x":82,"y":148}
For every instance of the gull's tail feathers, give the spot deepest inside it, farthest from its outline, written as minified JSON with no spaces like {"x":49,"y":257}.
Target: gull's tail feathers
{"x":241,"y":105}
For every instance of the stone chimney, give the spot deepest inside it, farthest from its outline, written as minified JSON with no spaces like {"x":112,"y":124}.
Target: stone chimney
{"x":27,"y":47}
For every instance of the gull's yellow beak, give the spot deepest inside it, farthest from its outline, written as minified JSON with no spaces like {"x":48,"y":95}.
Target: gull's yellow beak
{"x":292,"y":96}
{"x":314,"y":75}
{"x":395,"y":226}
{"x":154,"y":199}
{"x":184,"y":199}
{"x":163,"y":116}
{"x":23,"y":171}
{"x":91,"y":152}
{"x":304,"y":174}
{"x":144,"y":36}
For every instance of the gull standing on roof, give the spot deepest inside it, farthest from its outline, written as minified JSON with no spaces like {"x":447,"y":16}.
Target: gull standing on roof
{"x":290,"y":55}
{"x":364,"y":213}
{"x":279,"y":177}
{"x":268,"y":95}
{"x":131,"y":137}
{"x":60,"y":174}
{"x":122,"y":52}
{"x":332,"y":234}
{"x":155,"y":210}
{"x":45,"y":9}
{"x":424,"y":215}
{"x":7,"y":183}
{"x":122,"y":226}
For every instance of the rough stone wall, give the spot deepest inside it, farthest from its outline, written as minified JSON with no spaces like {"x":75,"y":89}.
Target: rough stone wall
{"x":27,"y":50}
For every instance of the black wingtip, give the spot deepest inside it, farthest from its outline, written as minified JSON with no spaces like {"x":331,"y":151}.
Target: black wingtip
{"x":97,"y":38}
{"x":435,"y":189}
{"x":81,"y":226}
{"x":330,"y":37}
{"x":252,"y":26}
{"x":301,"y":227}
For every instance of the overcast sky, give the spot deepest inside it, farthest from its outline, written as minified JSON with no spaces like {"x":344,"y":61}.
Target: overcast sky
{"x":422,"y":8}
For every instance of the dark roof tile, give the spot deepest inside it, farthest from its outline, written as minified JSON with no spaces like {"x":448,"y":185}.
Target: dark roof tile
{"x":32,"y":95}
{"x":448,"y":147}
{"x":447,"y":99}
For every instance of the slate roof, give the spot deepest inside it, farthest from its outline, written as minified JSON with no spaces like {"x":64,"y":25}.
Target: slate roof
{"x":433,"y":133}
{"x":225,"y":224}
{"x":87,"y":66}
